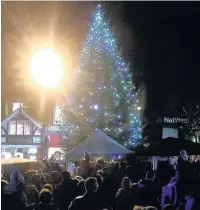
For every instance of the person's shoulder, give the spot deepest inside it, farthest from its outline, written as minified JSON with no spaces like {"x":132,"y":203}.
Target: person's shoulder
{"x":38,"y":205}
{"x":120,"y":191}
{"x":31,"y":207}
{"x":142,"y":184}
{"x":57,"y":186}
{"x":77,"y":201}
{"x":166,"y":189}
{"x":79,"y":198}
{"x":134,"y":186}
{"x":41,"y":205}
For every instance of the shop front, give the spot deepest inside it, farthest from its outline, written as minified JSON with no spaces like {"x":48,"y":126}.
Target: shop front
{"x":21,"y":135}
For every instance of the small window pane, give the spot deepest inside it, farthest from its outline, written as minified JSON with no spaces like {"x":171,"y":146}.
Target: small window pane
{"x":12,"y":128}
{"x":3,"y":139}
{"x":20,"y":125}
{"x":36,"y":140}
{"x":27,"y":128}
{"x":58,"y":116}
{"x":16,"y":106}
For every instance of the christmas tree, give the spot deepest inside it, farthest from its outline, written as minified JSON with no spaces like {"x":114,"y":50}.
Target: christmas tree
{"x":102,"y":94}
{"x":191,"y":112}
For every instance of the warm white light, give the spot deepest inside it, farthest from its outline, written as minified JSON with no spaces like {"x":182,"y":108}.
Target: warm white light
{"x":46,"y":68}
{"x":139,"y":108}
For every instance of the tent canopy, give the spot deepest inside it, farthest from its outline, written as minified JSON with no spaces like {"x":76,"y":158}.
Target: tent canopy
{"x":99,"y":144}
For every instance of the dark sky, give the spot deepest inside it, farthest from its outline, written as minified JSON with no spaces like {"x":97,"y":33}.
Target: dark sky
{"x":160,"y":39}
{"x":167,"y":52}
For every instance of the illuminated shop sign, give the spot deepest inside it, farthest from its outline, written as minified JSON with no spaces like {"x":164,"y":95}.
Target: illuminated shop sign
{"x":172,"y":120}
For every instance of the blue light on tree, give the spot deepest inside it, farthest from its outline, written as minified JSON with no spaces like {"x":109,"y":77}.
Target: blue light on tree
{"x":102,"y":92}
{"x":96,"y":107}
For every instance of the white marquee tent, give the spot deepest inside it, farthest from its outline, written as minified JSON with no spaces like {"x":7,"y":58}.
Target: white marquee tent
{"x":98,"y":144}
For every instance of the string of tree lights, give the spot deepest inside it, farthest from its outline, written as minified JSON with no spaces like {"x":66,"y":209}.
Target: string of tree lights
{"x":102,"y":92}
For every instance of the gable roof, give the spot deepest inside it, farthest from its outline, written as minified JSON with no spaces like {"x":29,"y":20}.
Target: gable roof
{"x":17,"y":112}
{"x":98,"y":144}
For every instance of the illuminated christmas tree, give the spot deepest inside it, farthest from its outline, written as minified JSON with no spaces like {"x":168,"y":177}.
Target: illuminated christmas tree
{"x":103,"y":94}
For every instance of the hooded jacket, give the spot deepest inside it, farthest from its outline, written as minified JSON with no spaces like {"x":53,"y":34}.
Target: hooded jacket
{"x":16,"y":181}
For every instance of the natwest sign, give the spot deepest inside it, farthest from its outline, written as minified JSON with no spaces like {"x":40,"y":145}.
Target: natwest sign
{"x":172,"y":120}
{"x":175,"y":120}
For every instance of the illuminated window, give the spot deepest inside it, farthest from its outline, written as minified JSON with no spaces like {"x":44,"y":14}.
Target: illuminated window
{"x":27,"y":128}
{"x":12,"y":127}
{"x":20,"y":127}
{"x":58,"y":119}
{"x":17,"y":105}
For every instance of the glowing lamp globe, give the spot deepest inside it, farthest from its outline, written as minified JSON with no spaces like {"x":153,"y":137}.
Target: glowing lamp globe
{"x":46,"y":68}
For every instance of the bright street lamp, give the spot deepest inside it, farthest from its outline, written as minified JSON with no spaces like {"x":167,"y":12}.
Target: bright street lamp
{"x":46,"y":68}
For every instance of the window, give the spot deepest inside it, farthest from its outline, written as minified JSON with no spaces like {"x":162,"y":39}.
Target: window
{"x":58,"y":116}
{"x":27,"y":128}
{"x":36,"y":140}
{"x":20,"y":127}
{"x":17,"y":105}
{"x":12,"y":127}
{"x":3,"y":139}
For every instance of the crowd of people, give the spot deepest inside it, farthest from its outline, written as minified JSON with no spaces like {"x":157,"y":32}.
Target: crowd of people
{"x":122,"y":185}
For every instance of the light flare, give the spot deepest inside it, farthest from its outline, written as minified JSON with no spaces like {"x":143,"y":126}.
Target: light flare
{"x":46,"y":68}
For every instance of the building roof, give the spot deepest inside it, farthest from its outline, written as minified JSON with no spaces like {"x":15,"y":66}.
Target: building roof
{"x":19,"y":112}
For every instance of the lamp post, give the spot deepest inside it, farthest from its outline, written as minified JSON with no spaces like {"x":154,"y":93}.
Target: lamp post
{"x":47,"y":71}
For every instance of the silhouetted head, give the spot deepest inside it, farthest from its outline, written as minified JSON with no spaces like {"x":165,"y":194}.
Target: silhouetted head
{"x":150,"y":175}
{"x":126,"y":183}
{"x":149,"y":208}
{"x":168,"y":207}
{"x":91,"y":184}
{"x":45,"y":195}
{"x":48,"y":187}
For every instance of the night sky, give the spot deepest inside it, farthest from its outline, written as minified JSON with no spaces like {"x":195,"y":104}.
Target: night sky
{"x":167,"y":52}
{"x":161,"y":40}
